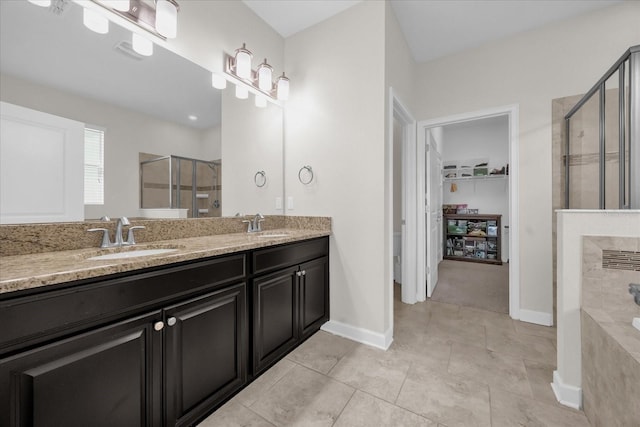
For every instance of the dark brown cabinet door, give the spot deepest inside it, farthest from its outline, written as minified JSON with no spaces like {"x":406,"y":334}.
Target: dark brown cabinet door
{"x":206,"y":352}
{"x":314,"y":295}
{"x":275,"y":317}
{"x":106,"y":377}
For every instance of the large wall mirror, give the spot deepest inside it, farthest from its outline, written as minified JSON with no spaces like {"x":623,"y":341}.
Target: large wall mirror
{"x":149,"y":107}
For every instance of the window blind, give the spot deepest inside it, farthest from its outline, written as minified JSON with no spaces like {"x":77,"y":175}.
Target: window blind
{"x":93,"y":166}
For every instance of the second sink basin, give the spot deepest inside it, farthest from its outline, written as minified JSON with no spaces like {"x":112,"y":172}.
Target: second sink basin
{"x":131,"y":254}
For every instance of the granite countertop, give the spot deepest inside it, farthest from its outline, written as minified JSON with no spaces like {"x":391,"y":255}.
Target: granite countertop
{"x":21,"y":272}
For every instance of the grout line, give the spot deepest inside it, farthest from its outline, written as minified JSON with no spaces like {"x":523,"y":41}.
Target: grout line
{"x":345,"y":406}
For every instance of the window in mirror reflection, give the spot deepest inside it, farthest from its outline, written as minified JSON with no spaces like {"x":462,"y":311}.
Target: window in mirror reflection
{"x":93,"y":166}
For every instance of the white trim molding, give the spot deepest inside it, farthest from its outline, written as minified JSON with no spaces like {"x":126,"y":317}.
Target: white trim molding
{"x":566,"y":394}
{"x":361,"y":335}
{"x":537,"y":317}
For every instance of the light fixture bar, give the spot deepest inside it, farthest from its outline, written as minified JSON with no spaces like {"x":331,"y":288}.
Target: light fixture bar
{"x":250,"y":83}
{"x":140,"y":13}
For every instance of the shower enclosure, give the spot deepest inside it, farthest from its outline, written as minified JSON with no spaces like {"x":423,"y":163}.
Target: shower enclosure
{"x":601,"y":153}
{"x":181,"y":183}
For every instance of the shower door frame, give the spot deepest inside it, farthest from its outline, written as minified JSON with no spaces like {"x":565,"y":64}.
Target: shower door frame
{"x":633,"y":114}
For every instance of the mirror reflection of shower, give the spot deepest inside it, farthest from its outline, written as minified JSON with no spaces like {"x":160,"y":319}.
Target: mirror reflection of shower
{"x":176,"y":182}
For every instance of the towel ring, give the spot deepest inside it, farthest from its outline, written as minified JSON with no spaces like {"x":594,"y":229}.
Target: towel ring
{"x":260,"y":178}
{"x":309,"y":172}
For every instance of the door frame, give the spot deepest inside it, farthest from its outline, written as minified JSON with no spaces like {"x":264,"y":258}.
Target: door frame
{"x":409,"y":286}
{"x":512,"y":112}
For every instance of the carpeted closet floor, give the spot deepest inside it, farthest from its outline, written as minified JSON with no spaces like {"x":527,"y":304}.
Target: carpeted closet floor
{"x":470,"y":284}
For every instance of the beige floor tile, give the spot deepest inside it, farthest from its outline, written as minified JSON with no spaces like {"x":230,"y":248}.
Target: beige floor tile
{"x":488,"y":367}
{"x":489,"y":319}
{"x":532,"y":347}
{"x":540,"y":378}
{"x":322,"y":351}
{"x":508,"y":410}
{"x":303,"y":397}
{"x":364,"y":410}
{"x":264,"y":382}
{"x":538,"y":330}
{"x":454,"y":329}
{"x":425,"y":351}
{"x":234,"y":414}
{"x":374,"y":371}
{"x":446,"y":399}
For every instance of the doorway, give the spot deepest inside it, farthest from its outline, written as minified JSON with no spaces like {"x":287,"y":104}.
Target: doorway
{"x":472,"y":184}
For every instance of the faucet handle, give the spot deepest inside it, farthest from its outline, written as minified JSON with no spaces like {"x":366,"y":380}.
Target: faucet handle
{"x":130,"y":238}
{"x":249,"y":225}
{"x":106,"y":241}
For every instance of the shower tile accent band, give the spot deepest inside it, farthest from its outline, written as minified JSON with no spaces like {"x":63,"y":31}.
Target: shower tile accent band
{"x":621,"y":260}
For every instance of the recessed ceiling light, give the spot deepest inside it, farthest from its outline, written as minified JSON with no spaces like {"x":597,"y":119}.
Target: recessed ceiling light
{"x":193,"y":118}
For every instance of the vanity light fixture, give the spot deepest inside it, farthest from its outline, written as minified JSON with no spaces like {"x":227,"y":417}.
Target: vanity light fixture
{"x":167,"y":18}
{"x":265,"y":74}
{"x":95,"y":21}
{"x":242,"y":92}
{"x":121,"y":5}
{"x":218,"y":81}
{"x":259,"y":82}
{"x":242,"y":62}
{"x":141,"y":44}
{"x":157,"y":17}
{"x":282,"y":88}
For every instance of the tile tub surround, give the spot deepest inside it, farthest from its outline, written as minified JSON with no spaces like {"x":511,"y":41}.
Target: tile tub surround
{"x":21,"y":272}
{"x":610,"y":344}
{"x":22,"y":239}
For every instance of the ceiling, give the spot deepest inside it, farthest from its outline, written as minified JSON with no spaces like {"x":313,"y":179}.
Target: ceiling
{"x":435,"y":28}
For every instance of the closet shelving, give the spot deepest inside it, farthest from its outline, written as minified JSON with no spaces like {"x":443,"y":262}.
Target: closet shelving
{"x":474,"y":238}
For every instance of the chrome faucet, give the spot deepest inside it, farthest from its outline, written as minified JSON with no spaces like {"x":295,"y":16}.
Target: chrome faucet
{"x":255,"y":224}
{"x":118,"y":240}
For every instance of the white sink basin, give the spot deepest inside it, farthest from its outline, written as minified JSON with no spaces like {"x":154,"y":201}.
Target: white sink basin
{"x":273,"y":235}
{"x":131,"y":254}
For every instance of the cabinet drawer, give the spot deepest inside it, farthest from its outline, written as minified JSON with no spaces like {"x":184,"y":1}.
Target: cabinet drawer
{"x":283,"y":256}
{"x":43,"y":316}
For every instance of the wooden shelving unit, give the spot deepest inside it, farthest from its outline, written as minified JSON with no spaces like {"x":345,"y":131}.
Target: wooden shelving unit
{"x":474,"y":238}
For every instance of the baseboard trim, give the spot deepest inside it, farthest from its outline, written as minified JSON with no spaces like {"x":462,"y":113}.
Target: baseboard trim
{"x":567,"y":395}
{"x":361,"y":335}
{"x":537,"y":317}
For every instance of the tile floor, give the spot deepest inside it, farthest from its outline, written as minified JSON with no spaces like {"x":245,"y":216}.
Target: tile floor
{"x":448,"y":366}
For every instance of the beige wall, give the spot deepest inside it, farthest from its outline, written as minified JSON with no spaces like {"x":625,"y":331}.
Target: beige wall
{"x":530,"y":69}
{"x":335,"y":122}
{"x":251,"y":142}
{"x":126,"y":134}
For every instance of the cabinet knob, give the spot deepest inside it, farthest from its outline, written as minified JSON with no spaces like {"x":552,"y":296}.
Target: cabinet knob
{"x":158,"y":326}
{"x":171,"y":321}
{"x":304,"y":272}
{"x":298,"y":273}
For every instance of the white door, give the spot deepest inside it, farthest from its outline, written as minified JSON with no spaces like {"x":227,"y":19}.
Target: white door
{"x":41,"y":160}
{"x":433,"y":207}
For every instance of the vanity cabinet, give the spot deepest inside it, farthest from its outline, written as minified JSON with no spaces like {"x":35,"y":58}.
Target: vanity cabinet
{"x":163,"y":346}
{"x":110,"y":376}
{"x":291,"y":303}
{"x":169,"y":366}
{"x":205,"y":353}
